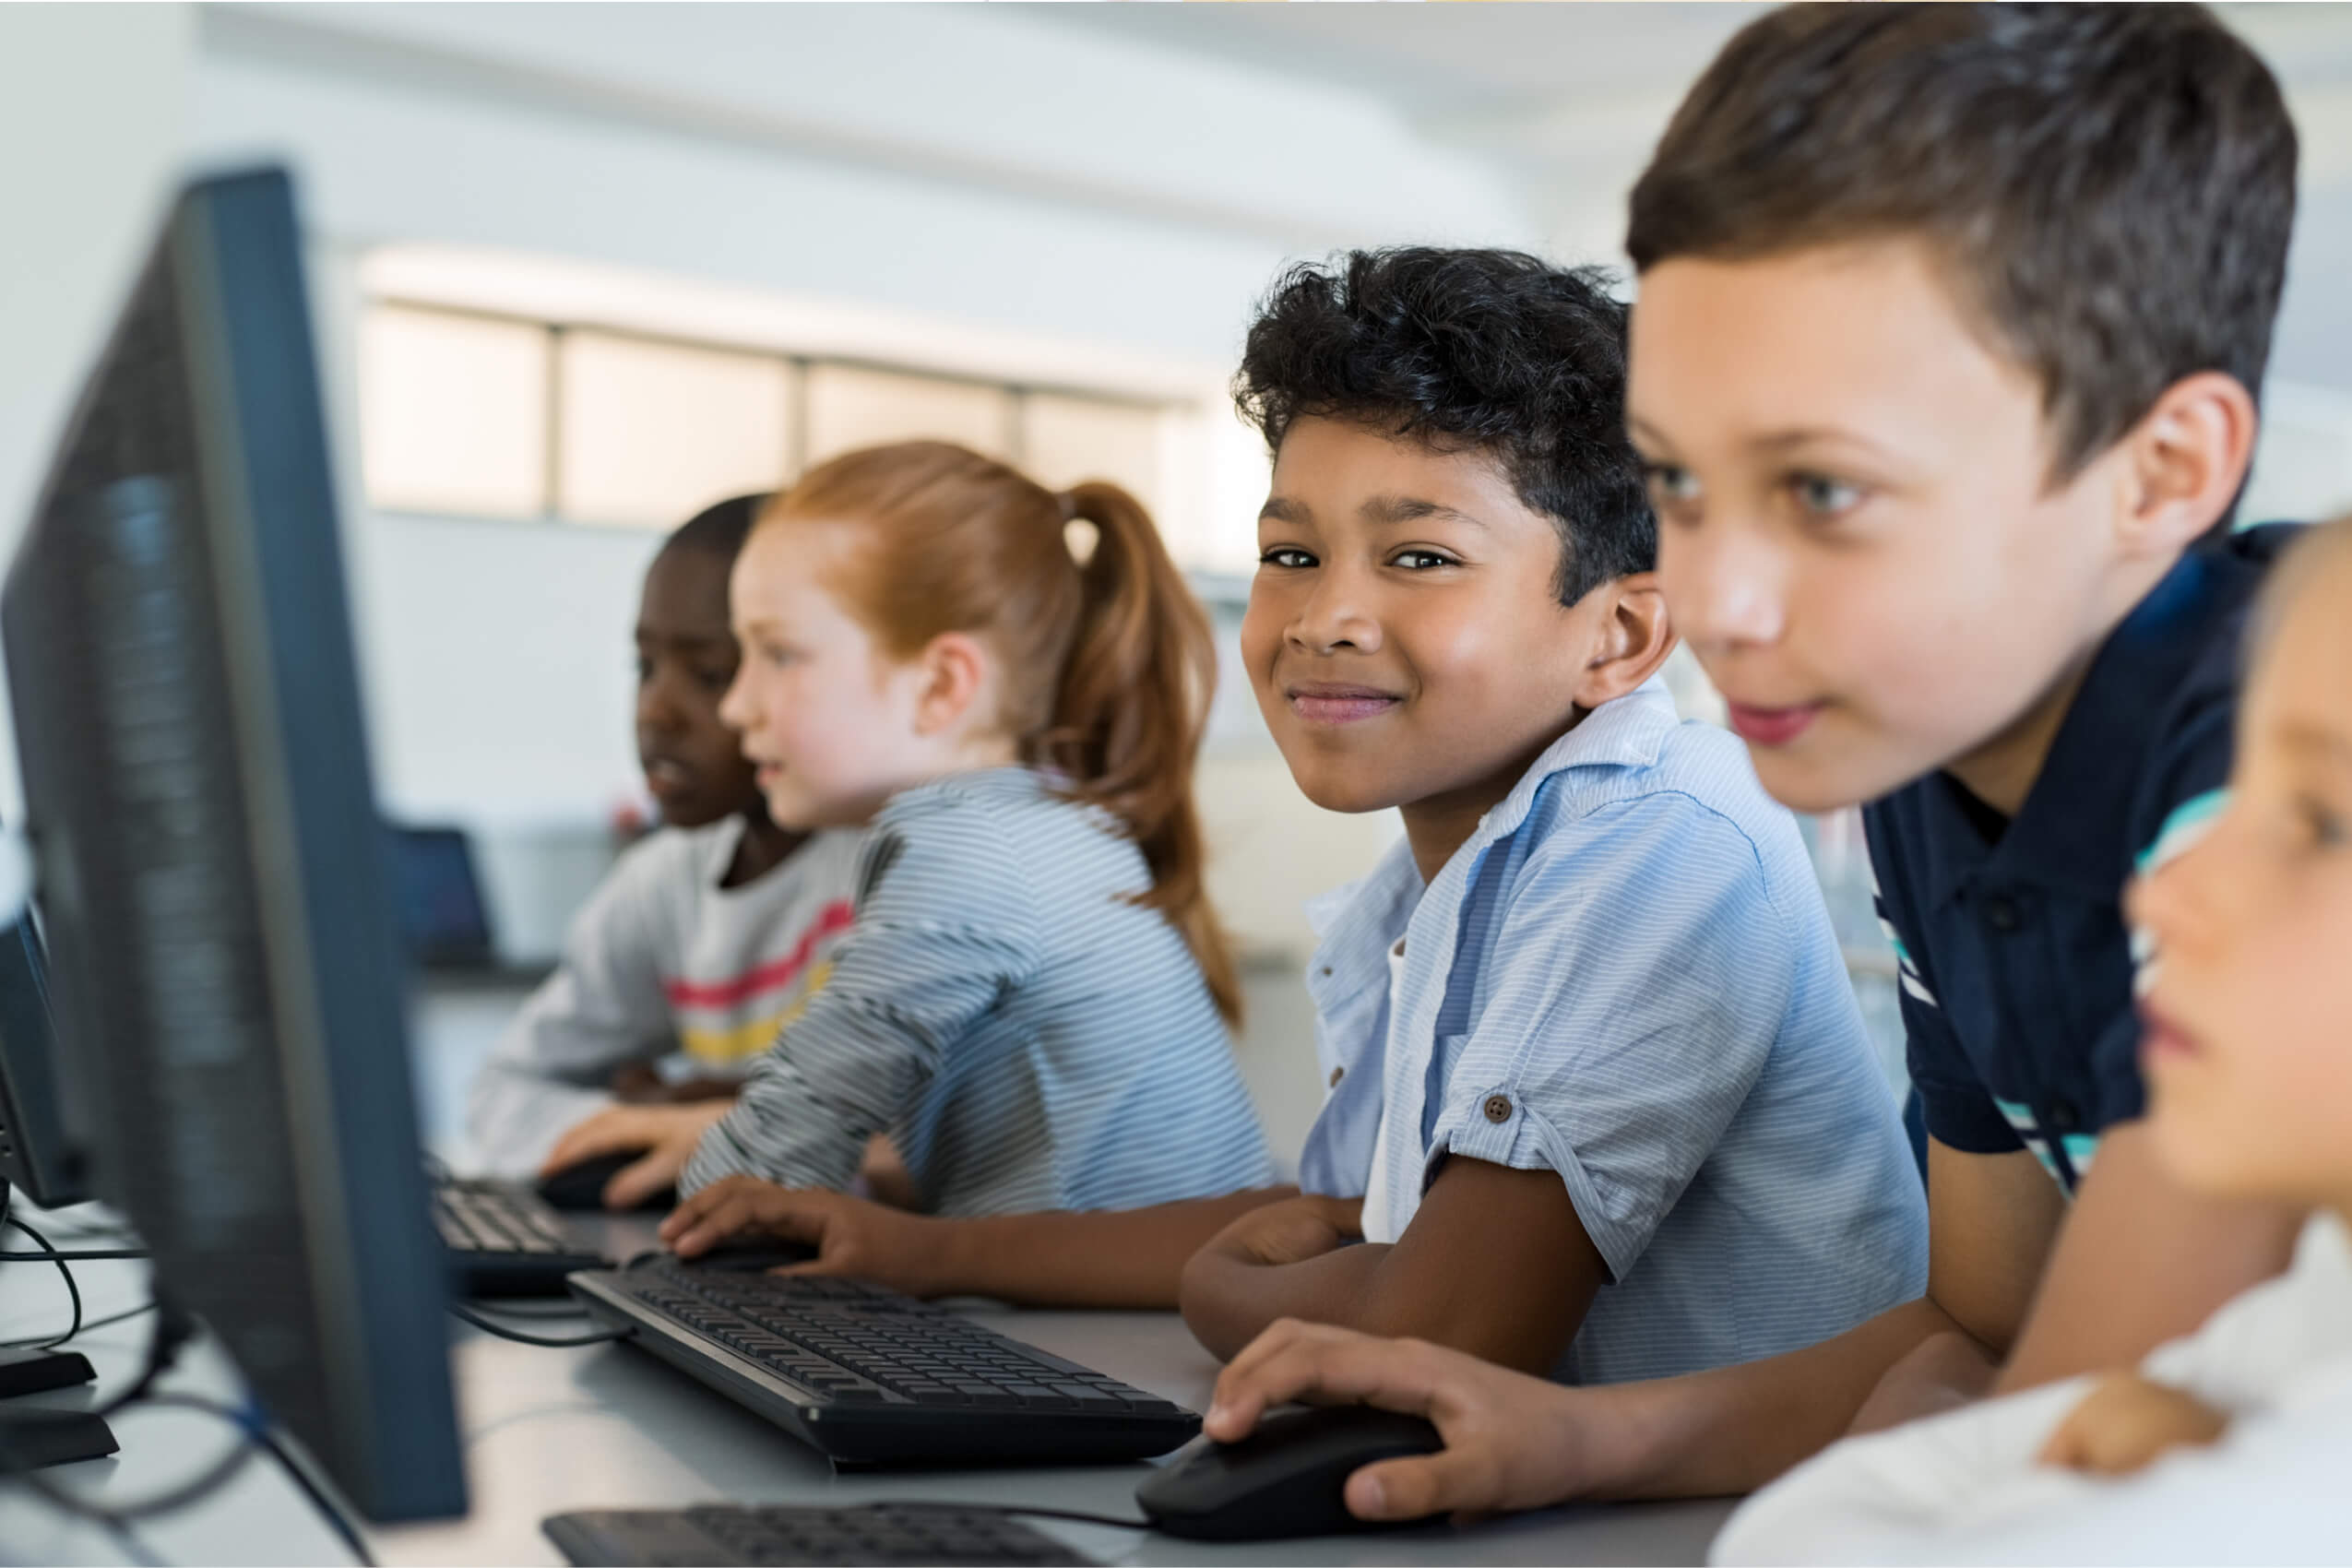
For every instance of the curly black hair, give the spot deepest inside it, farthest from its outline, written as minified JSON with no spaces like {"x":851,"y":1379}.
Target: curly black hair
{"x":1490,"y":351}
{"x":720,"y":527}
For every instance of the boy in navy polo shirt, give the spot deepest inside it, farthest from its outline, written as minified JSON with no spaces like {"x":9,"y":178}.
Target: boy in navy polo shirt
{"x":1943,"y":372}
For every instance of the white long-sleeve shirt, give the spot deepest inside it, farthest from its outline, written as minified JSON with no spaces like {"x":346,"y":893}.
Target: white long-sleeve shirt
{"x":663,"y":959}
{"x":1965,"y":1487}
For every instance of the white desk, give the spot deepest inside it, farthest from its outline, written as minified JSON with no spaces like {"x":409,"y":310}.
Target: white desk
{"x":607,"y":1426}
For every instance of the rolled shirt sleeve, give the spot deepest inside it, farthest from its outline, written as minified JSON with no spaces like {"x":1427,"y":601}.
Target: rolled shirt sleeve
{"x":1614,"y":1061}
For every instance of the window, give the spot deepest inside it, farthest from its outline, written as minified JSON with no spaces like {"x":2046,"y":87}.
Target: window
{"x":1065,"y":440}
{"x":653,"y":432}
{"x":851,"y":407}
{"x":483,"y":415}
{"x":453,"y":413}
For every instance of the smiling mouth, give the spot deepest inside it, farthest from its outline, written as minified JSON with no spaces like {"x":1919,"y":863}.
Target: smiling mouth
{"x":666,"y":775}
{"x":2161,"y":1039}
{"x":1321,"y":704}
{"x":1771,"y":725}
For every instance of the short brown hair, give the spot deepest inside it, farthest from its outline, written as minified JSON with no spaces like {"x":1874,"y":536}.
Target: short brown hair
{"x":2109,"y":189}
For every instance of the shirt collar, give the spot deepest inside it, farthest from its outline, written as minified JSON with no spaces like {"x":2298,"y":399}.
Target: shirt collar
{"x":2065,"y":836}
{"x":1356,"y":924}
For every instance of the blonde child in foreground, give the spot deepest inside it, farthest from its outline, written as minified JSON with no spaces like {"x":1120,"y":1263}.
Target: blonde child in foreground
{"x":2232,"y":1444}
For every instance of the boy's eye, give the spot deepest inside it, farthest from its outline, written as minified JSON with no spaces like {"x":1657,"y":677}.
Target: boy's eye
{"x":1823,"y":496}
{"x":1285,"y":555}
{"x":2321,"y":824}
{"x":1420,"y":560}
{"x":713,"y":677}
{"x":1670,"y":485}
{"x":645,"y":669}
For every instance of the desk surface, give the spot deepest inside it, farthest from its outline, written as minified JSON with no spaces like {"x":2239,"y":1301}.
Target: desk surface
{"x":607,"y":1427}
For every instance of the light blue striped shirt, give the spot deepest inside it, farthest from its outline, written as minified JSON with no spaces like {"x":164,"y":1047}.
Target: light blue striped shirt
{"x":1627,"y":976}
{"x":1028,"y":1035}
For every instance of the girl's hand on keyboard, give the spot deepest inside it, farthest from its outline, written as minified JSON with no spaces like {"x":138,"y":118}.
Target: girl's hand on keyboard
{"x":854,"y":1238}
{"x":662,"y":1136}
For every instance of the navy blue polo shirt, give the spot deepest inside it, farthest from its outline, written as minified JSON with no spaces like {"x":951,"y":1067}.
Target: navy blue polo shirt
{"x":2015,"y":965}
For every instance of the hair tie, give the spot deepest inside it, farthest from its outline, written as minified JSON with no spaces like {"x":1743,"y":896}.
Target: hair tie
{"x":1079,"y":535}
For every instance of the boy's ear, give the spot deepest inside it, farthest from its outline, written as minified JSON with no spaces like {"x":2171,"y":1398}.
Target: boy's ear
{"x":954,"y":670}
{"x":2185,"y":460}
{"x":1637,"y":635}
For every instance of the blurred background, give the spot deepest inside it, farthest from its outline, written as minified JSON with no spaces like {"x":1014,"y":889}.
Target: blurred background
{"x":579,"y":269}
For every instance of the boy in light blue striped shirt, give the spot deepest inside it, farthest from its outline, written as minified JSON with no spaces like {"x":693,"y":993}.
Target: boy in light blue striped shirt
{"x":1600,"y":1100}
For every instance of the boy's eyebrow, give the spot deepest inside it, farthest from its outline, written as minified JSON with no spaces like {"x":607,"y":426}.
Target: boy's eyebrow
{"x":1282,"y":509}
{"x":1412,"y":509}
{"x":2318,"y":739}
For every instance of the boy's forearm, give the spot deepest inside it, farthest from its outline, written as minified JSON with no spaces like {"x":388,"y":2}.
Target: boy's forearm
{"x":1229,"y":1300}
{"x":1728,"y":1431}
{"x":2141,"y":1260}
{"x":1125,"y":1258}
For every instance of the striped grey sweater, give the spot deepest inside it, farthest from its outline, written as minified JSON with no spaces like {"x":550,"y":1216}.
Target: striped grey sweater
{"x":1028,"y":1037}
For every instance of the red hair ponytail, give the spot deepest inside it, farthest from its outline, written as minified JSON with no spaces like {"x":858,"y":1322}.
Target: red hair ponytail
{"x":1109,"y":666}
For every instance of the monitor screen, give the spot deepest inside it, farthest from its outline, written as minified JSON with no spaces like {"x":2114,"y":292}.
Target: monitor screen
{"x":226,"y":956}
{"x":39,"y":1142}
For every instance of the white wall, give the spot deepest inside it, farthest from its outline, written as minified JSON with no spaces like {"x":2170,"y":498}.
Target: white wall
{"x":92,"y":110}
{"x":964,"y":162}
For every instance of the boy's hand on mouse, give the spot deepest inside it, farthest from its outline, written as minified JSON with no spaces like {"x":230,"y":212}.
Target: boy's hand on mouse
{"x":1508,"y":1444}
{"x":665,"y":1133}
{"x":853,"y":1237}
{"x":2127,"y":1423}
{"x":1291,"y":1230}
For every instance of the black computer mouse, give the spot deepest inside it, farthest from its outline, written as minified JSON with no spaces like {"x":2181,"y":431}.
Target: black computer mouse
{"x":581,"y":1186}
{"x":752,"y":1254}
{"x":1286,"y":1478}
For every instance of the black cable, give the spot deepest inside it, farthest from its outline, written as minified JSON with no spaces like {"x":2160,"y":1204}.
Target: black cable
{"x":72,"y":1289}
{"x":134,"y":1550}
{"x":464,"y":1313}
{"x":51,"y":1254}
{"x":47,"y":1342}
{"x":258,"y":1431}
{"x":167,"y":1501}
{"x":1013,"y":1511}
{"x":508,"y":1307}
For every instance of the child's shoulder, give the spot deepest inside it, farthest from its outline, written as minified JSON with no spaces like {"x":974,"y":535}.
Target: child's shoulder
{"x":993,"y":813}
{"x":677,"y":857}
{"x":1656,"y":768}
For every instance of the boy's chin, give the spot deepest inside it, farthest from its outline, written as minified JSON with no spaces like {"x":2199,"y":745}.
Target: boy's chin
{"x":1351,"y":795}
{"x":1818,"y":780}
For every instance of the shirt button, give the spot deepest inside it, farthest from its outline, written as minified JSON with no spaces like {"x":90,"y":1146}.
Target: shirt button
{"x":1338,"y":1073}
{"x":1326,"y":971}
{"x":1498,"y":1108}
{"x":2001,"y":913}
{"x":2065,"y":1116}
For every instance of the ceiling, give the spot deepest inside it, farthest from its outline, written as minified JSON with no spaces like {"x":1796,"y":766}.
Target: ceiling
{"x":1569,"y":96}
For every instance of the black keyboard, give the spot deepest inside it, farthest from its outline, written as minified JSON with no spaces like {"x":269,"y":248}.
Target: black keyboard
{"x":502,"y":1240}
{"x":881,"y":1534}
{"x":871,"y":1377}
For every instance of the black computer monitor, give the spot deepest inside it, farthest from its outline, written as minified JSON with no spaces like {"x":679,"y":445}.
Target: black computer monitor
{"x":40,"y":1148}
{"x":225,"y":957}
{"x":440,"y":904}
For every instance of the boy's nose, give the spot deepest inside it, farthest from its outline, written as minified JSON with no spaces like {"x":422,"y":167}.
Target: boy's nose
{"x":1724,"y":592}
{"x":2180,"y":902}
{"x":656,"y":710}
{"x":1333,"y":617}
